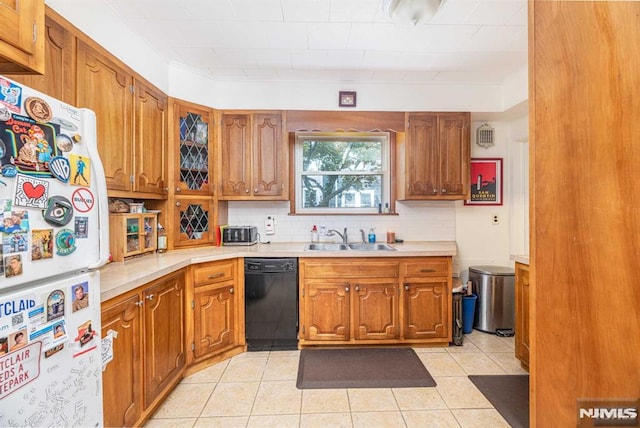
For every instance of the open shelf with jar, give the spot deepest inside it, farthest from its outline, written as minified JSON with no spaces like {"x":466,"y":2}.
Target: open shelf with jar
{"x":132,"y":234}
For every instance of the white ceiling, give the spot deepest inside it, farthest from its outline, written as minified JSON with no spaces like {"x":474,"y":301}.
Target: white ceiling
{"x":468,"y":41}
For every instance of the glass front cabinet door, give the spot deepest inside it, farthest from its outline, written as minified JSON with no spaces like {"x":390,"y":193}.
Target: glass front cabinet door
{"x":194,"y":156}
{"x":195,"y":222}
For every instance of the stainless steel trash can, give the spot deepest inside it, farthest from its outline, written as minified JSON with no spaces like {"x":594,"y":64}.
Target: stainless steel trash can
{"x":495,"y":308}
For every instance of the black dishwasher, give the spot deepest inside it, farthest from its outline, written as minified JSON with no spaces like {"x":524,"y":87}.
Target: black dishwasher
{"x":271,"y":303}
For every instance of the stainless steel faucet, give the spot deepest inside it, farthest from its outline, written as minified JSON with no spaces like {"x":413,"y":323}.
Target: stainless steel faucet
{"x":364,"y":237}
{"x":342,"y":235}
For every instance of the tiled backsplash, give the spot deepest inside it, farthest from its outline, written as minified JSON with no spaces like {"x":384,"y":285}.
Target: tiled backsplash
{"x":416,"y":221}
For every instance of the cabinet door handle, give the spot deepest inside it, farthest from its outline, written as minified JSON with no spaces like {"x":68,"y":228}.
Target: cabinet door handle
{"x":444,"y":190}
{"x":255,"y":190}
{"x":357,"y":288}
{"x":346,"y":289}
{"x":427,"y":270}
{"x":178,"y":204}
{"x":140,"y":303}
{"x":215,"y":275}
{"x":406,"y":287}
{"x":231,"y":290}
{"x":246,"y":190}
{"x":150,"y":297}
{"x":435,"y":190}
{"x":178,"y":189}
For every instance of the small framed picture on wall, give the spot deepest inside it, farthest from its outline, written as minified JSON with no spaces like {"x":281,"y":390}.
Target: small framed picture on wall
{"x":486,"y":182}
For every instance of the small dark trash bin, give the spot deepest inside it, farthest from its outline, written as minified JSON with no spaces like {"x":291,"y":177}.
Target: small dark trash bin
{"x":468,"y":312}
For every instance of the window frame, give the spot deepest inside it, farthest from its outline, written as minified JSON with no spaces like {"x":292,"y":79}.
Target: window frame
{"x":388,"y":149}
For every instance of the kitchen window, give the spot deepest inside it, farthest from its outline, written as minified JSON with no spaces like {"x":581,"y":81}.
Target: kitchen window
{"x":342,"y":172}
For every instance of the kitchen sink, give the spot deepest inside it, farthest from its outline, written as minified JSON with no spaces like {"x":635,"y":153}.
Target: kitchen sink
{"x":346,"y":247}
{"x":326,"y":247}
{"x":371,"y":247}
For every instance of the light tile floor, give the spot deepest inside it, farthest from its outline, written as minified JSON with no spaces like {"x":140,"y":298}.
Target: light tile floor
{"x":258,"y":389}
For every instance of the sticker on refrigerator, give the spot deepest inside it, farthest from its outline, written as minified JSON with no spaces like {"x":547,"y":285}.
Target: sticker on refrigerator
{"x":81,"y":227}
{"x":31,"y":192}
{"x":16,"y":221}
{"x":10,"y":95}
{"x":14,"y":243}
{"x":23,"y":367}
{"x":80,"y":169}
{"x":18,"y":340}
{"x":12,"y":265}
{"x":65,"y":242}
{"x":41,"y":244}
{"x":80,"y":296}
{"x":106,"y":347}
{"x":85,"y":341}
{"x":55,"y":305}
{"x":82,"y":200}
{"x":29,"y":146}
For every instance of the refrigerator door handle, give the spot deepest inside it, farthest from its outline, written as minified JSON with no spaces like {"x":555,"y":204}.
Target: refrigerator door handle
{"x":89,"y":124}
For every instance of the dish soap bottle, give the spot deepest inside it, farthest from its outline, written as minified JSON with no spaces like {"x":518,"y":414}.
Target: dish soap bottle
{"x":314,"y":234}
{"x":372,"y":235}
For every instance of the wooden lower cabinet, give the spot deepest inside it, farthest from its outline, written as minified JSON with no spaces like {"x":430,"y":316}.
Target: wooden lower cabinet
{"x":361,"y":301}
{"x":522,"y":314}
{"x":218,"y":309}
{"x":122,"y":378}
{"x":427,"y":310}
{"x":148,"y":350}
{"x":376,"y":310}
{"x":325,"y":311}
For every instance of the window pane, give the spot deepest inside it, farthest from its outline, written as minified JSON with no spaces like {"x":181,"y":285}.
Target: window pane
{"x":341,"y":191}
{"x":336,"y":156}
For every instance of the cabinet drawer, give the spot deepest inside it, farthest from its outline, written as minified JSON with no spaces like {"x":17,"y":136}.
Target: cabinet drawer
{"x":210,"y":273}
{"x":352,"y":269}
{"x":435,"y":266}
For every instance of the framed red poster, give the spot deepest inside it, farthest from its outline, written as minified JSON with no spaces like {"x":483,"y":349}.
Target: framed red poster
{"x":486,"y":182}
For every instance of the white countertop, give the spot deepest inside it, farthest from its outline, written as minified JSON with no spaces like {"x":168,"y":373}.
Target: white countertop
{"x":519,"y":258}
{"x":119,"y":277}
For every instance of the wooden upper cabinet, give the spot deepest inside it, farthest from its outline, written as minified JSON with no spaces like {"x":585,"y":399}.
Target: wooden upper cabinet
{"x":192,"y":130}
{"x":131,"y":117}
{"x":235,"y":155}
{"x":150,"y":142}
{"x":22,"y":36}
{"x":268,"y":151}
{"x":422,"y":156}
{"x":454,"y":154}
{"x":434,"y":159}
{"x":105,"y":87}
{"x":253,"y":156}
{"x":59,"y":78}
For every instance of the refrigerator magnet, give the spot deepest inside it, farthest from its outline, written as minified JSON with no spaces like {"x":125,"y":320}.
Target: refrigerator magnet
{"x":31,"y":192}
{"x":65,"y":242}
{"x":60,"y":168}
{"x":59,"y":211}
{"x":38,"y":109}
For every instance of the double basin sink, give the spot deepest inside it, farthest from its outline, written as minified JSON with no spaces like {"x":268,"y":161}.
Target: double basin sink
{"x":347,"y":247}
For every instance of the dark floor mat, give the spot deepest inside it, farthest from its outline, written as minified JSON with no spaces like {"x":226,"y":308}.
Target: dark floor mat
{"x":509,"y":394}
{"x":361,"y":368}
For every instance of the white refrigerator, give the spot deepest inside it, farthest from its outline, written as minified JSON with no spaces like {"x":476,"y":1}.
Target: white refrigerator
{"x":54,"y":230}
